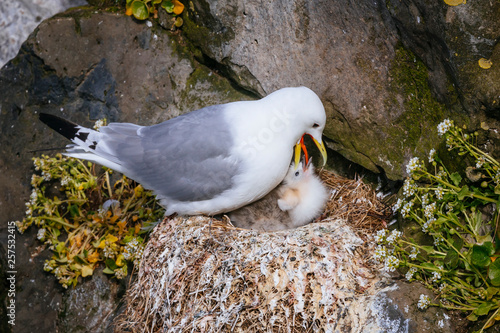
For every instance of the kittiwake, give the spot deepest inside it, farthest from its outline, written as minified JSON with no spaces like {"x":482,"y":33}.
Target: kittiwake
{"x":209,"y":161}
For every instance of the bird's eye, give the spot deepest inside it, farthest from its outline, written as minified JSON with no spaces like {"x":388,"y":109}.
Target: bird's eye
{"x":315,"y":125}
{"x":297,"y":174}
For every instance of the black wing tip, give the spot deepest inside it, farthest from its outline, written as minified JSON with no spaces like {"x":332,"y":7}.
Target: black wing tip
{"x":62,"y":126}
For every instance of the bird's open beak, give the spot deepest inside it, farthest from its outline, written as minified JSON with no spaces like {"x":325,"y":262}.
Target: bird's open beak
{"x":300,"y":145}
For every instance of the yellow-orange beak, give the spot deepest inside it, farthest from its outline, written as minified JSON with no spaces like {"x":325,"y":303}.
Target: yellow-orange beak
{"x":300,"y":145}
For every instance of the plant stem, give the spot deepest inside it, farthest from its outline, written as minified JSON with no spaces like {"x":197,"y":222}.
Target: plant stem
{"x":60,"y":221}
{"x":458,"y":189}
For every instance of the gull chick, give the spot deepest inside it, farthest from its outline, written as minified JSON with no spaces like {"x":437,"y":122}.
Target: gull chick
{"x":294,"y":203}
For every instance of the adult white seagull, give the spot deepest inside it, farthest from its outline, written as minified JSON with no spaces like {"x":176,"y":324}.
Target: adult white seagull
{"x":209,"y":161}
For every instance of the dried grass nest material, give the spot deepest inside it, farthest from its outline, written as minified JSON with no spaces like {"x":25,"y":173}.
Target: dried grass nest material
{"x":199,"y":276}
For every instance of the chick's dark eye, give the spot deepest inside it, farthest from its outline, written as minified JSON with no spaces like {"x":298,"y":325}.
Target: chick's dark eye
{"x":297,"y":174}
{"x":315,"y":125}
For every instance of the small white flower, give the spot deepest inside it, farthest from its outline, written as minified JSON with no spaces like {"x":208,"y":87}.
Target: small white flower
{"x":425,"y":227}
{"x":397,"y":205}
{"x":438,"y":240}
{"x":46,"y":176}
{"x":441,"y":174}
{"x":432,"y":153}
{"x":412,"y":165}
{"x":121,"y":273}
{"x":423,"y":302}
{"x":394,"y":236}
{"x":65,"y":180}
{"x":406,"y":209}
{"x":108,"y":251}
{"x":41,"y":234}
{"x":439,"y":193}
{"x":47,"y":266}
{"x":380,"y":236}
{"x":132,"y":249}
{"x":409,"y":188}
{"x":33,"y":197}
{"x":58,"y":272}
{"x":29,"y":211}
{"x":414,"y":253}
{"x":429,"y":210}
{"x":380,"y":253}
{"x":99,"y":123}
{"x":138,"y":256}
{"x":436,"y":276}
{"x":391,"y":263}
{"x":425,"y":200}
{"x":480,"y":162}
{"x":410,"y":273}
{"x":442,"y":286}
{"x":444,"y":126}
{"x":497,"y":177}
{"x":441,"y":323}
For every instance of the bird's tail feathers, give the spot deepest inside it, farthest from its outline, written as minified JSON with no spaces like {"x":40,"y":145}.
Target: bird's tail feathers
{"x":85,"y":141}
{"x":64,"y":127}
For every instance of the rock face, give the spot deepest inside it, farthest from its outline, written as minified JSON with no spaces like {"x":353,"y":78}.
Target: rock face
{"x":19,"y":18}
{"x":378,"y":75}
{"x":451,"y":40}
{"x":344,"y":52}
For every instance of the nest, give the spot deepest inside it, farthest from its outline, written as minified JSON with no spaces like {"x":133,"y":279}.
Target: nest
{"x":355,"y":202}
{"x":203,"y":275}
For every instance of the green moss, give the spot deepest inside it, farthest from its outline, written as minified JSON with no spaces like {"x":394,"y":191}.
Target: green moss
{"x":422,"y":111}
{"x":208,"y":35}
{"x":181,"y":48}
{"x":412,"y":130}
{"x":205,"y":85}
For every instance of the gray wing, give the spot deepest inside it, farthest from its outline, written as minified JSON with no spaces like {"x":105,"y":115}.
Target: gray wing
{"x":186,"y":158}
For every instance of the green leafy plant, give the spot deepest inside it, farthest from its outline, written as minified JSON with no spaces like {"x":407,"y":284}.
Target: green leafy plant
{"x":143,"y":9}
{"x":88,"y":220}
{"x":459,"y":215}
